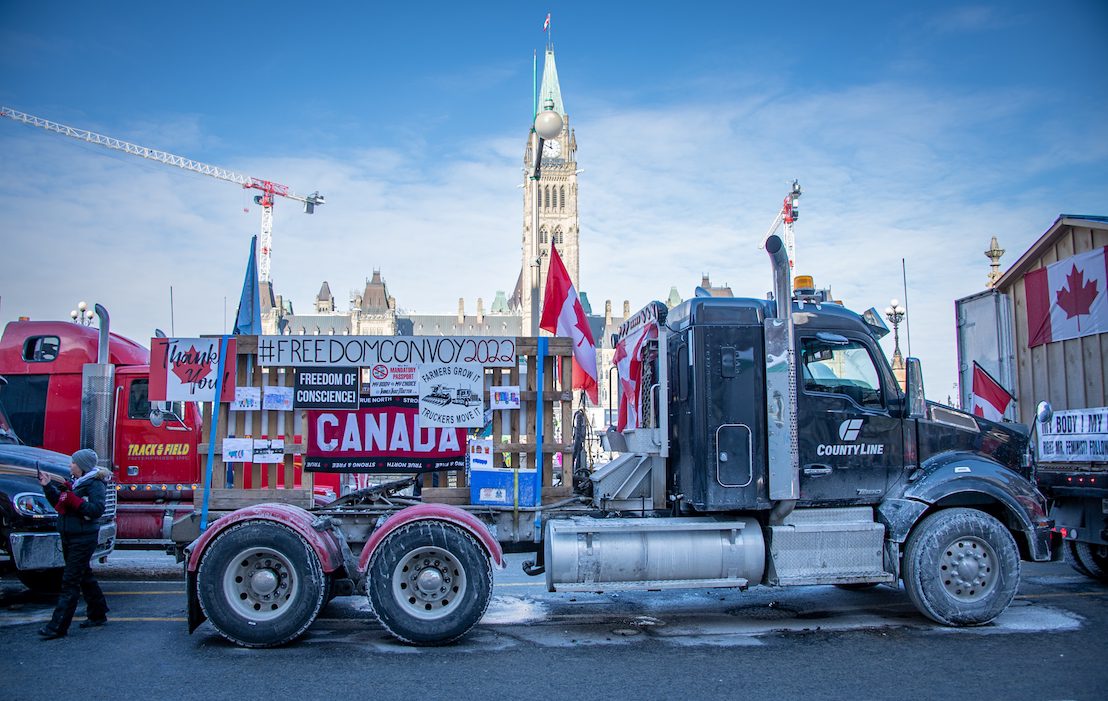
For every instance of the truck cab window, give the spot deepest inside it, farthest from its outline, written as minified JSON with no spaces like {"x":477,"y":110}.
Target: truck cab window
{"x":138,"y":400}
{"x":40,"y":349}
{"x":845,"y":369}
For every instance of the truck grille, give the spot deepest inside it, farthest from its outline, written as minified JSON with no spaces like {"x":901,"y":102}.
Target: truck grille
{"x":110,"y":502}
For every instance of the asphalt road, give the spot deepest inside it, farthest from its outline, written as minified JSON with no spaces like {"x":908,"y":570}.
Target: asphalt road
{"x":805,"y":642}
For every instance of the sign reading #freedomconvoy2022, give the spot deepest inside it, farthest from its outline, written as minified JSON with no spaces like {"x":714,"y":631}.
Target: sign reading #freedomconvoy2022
{"x":367,"y":351}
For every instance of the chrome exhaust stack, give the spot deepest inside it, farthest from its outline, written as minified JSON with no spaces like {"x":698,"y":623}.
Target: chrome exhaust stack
{"x":781,"y":415}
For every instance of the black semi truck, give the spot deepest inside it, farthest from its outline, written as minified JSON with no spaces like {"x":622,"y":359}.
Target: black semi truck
{"x":774,"y":448}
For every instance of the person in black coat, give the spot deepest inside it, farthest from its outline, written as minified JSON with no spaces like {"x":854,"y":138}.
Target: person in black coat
{"x":79,"y":504}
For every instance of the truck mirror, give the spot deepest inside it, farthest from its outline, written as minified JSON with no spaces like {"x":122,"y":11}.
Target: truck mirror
{"x":156,"y":416}
{"x":913,"y":383}
{"x":1044,"y":412}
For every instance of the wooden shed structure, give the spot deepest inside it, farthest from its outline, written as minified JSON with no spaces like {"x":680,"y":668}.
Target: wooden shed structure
{"x":1072,"y":373}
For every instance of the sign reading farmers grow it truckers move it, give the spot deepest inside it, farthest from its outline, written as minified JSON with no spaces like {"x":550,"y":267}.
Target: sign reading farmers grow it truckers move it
{"x":452,"y":395}
{"x":367,"y":351}
{"x":185,"y":369}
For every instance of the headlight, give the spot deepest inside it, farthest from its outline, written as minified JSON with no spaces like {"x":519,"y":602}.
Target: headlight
{"x":33,"y":504}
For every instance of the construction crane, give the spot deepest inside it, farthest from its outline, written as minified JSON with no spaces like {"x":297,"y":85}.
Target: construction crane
{"x":789,"y":213}
{"x":268,"y":188}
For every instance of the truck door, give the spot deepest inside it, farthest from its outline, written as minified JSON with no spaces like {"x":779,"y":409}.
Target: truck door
{"x":849,"y":442}
{"x":148,"y":454}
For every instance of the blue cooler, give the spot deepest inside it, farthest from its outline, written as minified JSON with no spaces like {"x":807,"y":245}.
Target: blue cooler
{"x":497,"y":486}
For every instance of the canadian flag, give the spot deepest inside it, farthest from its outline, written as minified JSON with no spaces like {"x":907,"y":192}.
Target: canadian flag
{"x":1067,"y":299}
{"x":990,"y":400}
{"x":563,"y":315}
{"x":628,"y":362}
{"x":546,"y":24}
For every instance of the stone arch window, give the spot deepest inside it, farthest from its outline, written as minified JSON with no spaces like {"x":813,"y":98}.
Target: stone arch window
{"x":546,"y":197}
{"x":558,"y":235}
{"x":562,"y":197}
{"x":542,"y":234}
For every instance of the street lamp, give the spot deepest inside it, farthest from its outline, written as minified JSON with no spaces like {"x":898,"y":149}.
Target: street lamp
{"x":82,"y":314}
{"x":548,"y":124}
{"x":895,"y":314}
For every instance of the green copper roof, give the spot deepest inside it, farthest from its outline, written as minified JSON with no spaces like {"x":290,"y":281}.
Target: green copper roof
{"x":550,"y":89}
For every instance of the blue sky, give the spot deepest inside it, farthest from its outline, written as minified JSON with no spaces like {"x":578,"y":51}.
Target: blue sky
{"x":917,"y":130}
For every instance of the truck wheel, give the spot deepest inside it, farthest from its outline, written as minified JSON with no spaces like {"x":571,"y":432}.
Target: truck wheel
{"x":1094,"y":559}
{"x":429,"y":583}
{"x":961,"y":567}
{"x":1070,"y":549}
{"x":260,"y":584}
{"x":42,"y":581}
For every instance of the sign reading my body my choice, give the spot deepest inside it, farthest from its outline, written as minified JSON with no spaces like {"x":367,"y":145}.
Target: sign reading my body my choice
{"x":367,"y":351}
{"x":331,"y":388}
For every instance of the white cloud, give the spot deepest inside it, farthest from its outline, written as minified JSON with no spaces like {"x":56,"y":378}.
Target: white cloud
{"x":668,"y":193}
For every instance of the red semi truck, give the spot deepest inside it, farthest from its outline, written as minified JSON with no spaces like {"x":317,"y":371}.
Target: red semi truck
{"x":156,"y":467}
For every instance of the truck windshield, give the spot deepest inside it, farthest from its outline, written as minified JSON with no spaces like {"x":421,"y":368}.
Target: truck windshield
{"x":844,"y":369}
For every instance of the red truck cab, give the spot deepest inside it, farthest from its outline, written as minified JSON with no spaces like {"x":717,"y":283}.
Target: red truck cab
{"x":156,"y":467}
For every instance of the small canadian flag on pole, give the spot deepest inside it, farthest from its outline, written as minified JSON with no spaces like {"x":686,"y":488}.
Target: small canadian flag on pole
{"x":546,"y":24}
{"x":563,"y":315}
{"x":990,"y":400}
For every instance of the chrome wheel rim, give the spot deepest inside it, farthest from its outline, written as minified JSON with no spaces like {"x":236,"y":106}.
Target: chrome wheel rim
{"x":429,"y":583}
{"x":260,"y":584}
{"x":969,"y":569}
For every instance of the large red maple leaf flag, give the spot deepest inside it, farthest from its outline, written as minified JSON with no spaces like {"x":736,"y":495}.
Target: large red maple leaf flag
{"x":1067,"y":299}
{"x":990,"y":400}
{"x":563,"y":315}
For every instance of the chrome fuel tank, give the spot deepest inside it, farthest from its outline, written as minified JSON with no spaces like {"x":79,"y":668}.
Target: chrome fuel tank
{"x":590,"y":554}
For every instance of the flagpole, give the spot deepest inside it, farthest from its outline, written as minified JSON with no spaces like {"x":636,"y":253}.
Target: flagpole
{"x":534,"y":84}
{"x":907,"y":318}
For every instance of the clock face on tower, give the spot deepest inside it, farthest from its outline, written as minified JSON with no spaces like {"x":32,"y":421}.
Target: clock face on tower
{"x":551,"y":149}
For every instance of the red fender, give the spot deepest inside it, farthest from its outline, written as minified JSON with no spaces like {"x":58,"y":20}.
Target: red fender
{"x":433,"y":512}
{"x":292,"y":517}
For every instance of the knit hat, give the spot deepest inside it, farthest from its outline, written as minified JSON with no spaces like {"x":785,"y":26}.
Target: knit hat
{"x":85,"y":459}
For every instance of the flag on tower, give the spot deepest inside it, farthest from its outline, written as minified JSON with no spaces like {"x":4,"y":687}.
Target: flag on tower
{"x":546,"y":24}
{"x":990,"y":400}
{"x":563,"y":315}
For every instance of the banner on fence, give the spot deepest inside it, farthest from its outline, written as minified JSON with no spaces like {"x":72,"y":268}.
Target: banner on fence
{"x":383,"y":435}
{"x":367,"y":351}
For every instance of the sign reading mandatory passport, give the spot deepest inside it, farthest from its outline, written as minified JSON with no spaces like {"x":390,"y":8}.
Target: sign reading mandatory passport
{"x":330,"y":388}
{"x":383,"y":435}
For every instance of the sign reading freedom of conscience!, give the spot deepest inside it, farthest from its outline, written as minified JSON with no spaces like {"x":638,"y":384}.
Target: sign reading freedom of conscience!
{"x":333,"y":388}
{"x":367,"y":351}
{"x":383,"y":435}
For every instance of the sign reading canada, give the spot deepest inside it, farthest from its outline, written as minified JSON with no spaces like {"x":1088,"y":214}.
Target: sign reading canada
{"x":333,"y":388}
{"x":1079,"y":435}
{"x":185,"y":370}
{"x":383,"y":435}
{"x":367,"y":351}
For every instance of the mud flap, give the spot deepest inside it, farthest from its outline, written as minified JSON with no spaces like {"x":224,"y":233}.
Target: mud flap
{"x":195,"y":612}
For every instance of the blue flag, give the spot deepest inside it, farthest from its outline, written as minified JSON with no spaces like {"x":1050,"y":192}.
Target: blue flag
{"x":248,"y":321}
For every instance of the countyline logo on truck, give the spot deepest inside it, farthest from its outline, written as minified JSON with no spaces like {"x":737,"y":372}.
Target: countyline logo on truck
{"x":849,"y":431}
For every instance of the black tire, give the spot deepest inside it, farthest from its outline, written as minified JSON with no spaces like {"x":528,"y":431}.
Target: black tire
{"x":260,"y":584}
{"x":42,"y":581}
{"x":1069,"y":547}
{"x":429,"y":583}
{"x":1094,"y":558}
{"x":961,"y":567}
